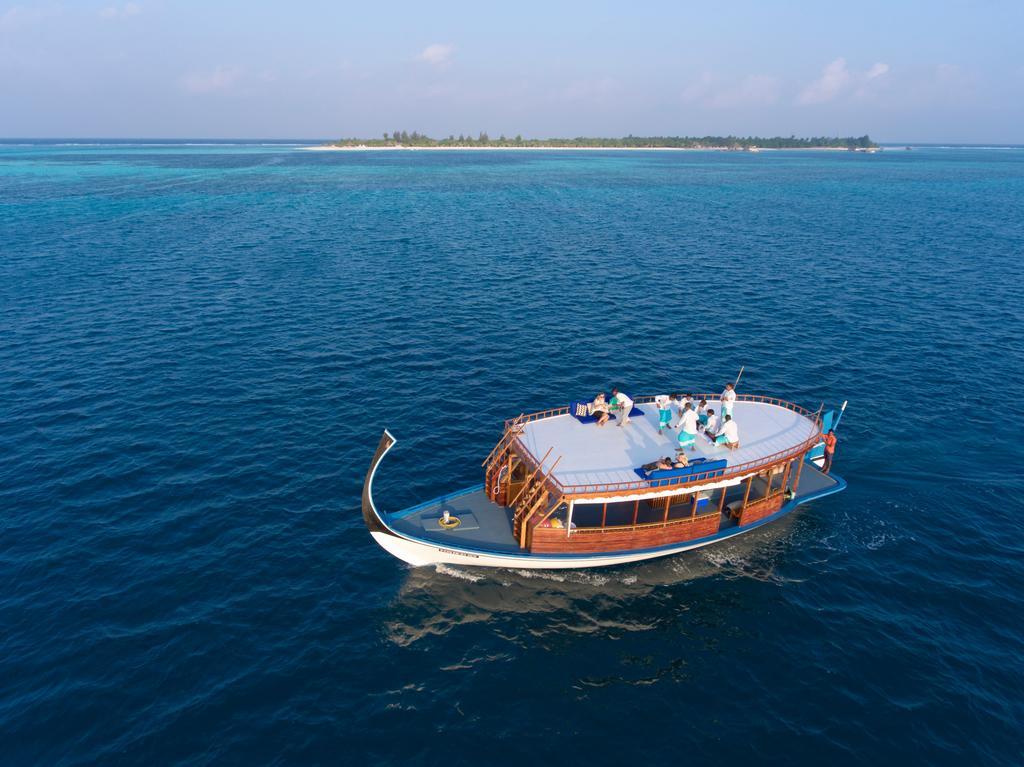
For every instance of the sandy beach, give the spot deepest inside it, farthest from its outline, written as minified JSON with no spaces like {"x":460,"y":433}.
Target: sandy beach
{"x":364,"y":148}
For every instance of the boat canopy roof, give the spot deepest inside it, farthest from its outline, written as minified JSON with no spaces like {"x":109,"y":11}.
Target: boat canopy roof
{"x":592,"y":459}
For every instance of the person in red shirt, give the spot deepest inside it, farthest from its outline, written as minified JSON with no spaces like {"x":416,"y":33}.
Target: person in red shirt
{"x":830,"y":449}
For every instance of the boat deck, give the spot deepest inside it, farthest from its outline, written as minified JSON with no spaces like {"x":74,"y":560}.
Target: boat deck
{"x":603,"y":455}
{"x":488,"y":527}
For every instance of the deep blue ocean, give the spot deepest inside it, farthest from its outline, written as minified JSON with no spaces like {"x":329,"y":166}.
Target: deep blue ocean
{"x":200,"y":347}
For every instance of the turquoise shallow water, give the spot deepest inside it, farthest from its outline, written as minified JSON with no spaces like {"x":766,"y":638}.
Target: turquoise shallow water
{"x":199,"y":347}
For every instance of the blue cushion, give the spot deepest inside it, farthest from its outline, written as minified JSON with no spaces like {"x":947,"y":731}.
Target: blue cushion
{"x":700,"y":467}
{"x":584,"y":418}
{"x":634,"y":413}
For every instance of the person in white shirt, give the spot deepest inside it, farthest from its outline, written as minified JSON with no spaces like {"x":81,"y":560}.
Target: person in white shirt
{"x":711,"y":427}
{"x":728,"y":398}
{"x":688,"y":427}
{"x":664,"y":412}
{"x":680,"y":401}
{"x":625,"y":403}
{"x":599,"y":409}
{"x":730,"y":434}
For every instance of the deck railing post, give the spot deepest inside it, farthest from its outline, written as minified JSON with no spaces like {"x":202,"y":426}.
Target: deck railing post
{"x":721,"y":501}
{"x":636,"y":511}
{"x":568,"y":519}
{"x":693,"y":512}
{"x":799,"y":467}
{"x":746,"y":495}
{"x":668,"y":500}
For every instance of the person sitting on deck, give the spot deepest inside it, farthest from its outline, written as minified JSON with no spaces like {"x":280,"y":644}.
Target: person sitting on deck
{"x":623,"y":402}
{"x":711,"y":423}
{"x":702,"y":413}
{"x":599,"y":409}
{"x":688,"y":428}
{"x":729,"y":435}
{"x":830,"y":449}
{"x":728,"y":398}
{"x":681,"y":461}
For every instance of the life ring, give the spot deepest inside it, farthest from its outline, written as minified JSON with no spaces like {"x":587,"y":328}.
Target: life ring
{"x":451,"y":524}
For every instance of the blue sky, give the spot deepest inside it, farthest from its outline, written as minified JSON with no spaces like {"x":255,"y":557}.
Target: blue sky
{"x":901,"y":71}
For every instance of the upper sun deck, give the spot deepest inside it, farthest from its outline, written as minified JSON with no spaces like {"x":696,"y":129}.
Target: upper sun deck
{"x":596,"y":460}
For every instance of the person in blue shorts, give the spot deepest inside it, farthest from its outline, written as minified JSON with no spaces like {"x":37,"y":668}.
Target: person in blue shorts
{"x":688,"y":427}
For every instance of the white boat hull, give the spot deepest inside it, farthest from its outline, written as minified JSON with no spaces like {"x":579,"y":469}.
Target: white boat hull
{"x":421,"y":554}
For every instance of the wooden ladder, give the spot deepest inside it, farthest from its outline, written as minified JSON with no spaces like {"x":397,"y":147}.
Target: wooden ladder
{"x":499,"y":455}
{"x":533,"y":495}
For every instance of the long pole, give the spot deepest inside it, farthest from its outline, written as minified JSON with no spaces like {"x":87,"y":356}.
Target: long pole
{"x":840,"y":416}
{"x":738,"y":377}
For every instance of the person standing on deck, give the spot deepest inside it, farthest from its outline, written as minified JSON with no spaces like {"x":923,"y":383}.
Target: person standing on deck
{"x":625,"y":403}
{"x":728,"y":398}
{"x":688,"y":427}
{"x":664,"y":412}
{"x":830,"y":449}
{"x":680,"y":401}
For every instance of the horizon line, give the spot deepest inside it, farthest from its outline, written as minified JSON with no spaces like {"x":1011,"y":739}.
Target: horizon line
{"x":304,"y":140}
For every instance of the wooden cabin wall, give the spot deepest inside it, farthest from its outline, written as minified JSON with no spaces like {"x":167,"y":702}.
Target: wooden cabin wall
{"x":549,"y":540}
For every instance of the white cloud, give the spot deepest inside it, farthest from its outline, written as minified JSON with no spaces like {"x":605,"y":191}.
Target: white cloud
{"x":752,"y":90}
{"x":219,"y":79}
{"x":697,"y":91}
{"x":837,"y":79}
{"x":20,"y":16}
{"x":594,"y":91}
{"x":120,"y":11}
{"x":833,"y":79}
{"x":438,"y":54}
{"x":877,"y":70}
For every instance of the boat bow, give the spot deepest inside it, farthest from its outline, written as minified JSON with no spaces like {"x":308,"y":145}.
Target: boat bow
{"x":374,"y":519}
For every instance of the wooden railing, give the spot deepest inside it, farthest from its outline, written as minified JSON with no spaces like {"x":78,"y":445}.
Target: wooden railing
{"x":639,"y":486}
{"x":512,"y":429}
{"x":540,"y":414}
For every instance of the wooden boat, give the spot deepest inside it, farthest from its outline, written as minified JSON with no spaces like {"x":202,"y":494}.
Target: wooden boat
{"x":562,"y":492}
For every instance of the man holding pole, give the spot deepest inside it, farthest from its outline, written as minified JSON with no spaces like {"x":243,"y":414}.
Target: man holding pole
{"x":728,"y":398}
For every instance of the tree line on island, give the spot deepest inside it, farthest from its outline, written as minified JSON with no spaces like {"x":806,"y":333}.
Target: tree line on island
{"x":416,"y":139}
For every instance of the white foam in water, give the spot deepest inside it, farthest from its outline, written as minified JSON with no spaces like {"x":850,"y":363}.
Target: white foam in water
{"x":565,"y":576}
{"x":455,"y":573}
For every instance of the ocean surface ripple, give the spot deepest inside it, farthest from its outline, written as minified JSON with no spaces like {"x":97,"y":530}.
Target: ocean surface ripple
{"x":199,"y":348}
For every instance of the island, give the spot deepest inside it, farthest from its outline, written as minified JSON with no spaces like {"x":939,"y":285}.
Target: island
{"x":415,"y":140}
